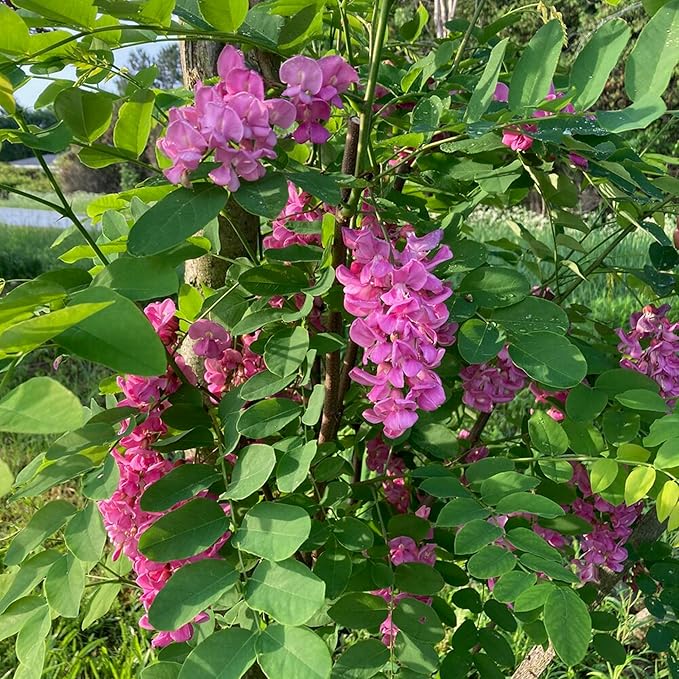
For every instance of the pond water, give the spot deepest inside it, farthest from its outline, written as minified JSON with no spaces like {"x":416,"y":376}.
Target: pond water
{"x":22,"y":216}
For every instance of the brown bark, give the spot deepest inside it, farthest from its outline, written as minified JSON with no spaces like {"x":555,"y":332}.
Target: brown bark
{"x":648,"y":530}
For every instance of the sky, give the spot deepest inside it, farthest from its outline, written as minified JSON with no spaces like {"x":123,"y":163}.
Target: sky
{"x":27,"y":95}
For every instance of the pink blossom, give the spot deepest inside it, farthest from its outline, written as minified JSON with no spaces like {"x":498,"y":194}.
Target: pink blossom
{"x":210,"y":338}
{"x":516,"y":138}
{"x":162,"y":316}
{"x":578,"y":160}
{"x":501,"y":93}
{"x":489,"y":384}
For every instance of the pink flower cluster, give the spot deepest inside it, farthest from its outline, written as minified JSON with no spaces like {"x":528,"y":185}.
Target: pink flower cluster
{"x":140,"y":466}
{"x":543,"y":396}
{"x":381,"y":459}
{"x":651,"y":347}
{"x":401,"y":321}
{"x":612,"y":527}
{"x":297,"y":209}
{"x":237,"y":123}
{"x":516,"y":137}
{"x":225,"y":366}
{"x":233,"y":119}
{"x":313,"y":86}
{"x":488,"y":384}
{"x":405,"y":550}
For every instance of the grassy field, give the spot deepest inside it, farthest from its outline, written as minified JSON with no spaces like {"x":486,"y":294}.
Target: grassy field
{"x":115,"y":648}
{"x":79,"y":201}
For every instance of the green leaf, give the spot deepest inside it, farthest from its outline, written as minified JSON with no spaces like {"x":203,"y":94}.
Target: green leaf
{"x":64,"y":585}
{"x":546,"y":434}
{"x":638,"y":116}
{"x":529,"y":541}
{"x":667,"y":500}
{"x":45,"y":522}
{"x":583,"y":403}
{"x":87,"y":114}
{"x":100,"y":604}
{"x":266,"y":197}
{"x":14,"y":37}
{"x":321,"y":185}
{"x":530,"y":504}
{"x":418,"y":578}
{"x":140,"y":278}
{"x":314,"y":408}
{"x":133,"y":126}
{"x":190,"y":590}
{"x":180,"y":483}
{"x":226,"y":654}
{"x":549,"y":359}
{"x":264,"y":384}
{"x":301,"y":27}
{"x":119,"y":337}
{"x":533,"y":598}
{"x":475,"y":535}
{"x":273,"y":279}
{"x":40,"y":406}
{"x":29,"y":334}
{"x":285,"y":350}
{"x":434,"y":439}
{"x":500,"y":485}
{"x":85,"y":535}
{"x":273,"y":530}
{"x":184,"y":532}
{"x":638,"y":483}
{"x":16,"y":615}
{"x":511,"y":585}
{"x":266,"y":418}
{"x":361,"y":660}
{"x":663,"y":429}
{"x":535,"y":69}
{"x":6,"y":478}
{"x":293,"y":467}
{"x":655,"y":55}
{"x":7,"y":100}
{"x":287,"y":591}
{"x":610,"y":649}
{"x":642,"y":399}
{"x":494,"y":287}
{"x":182,"y":213}
{"x":621,"y":379}
{"x":225,"y":17}
{"x":292,"y":652}
{"x":484,"y":90}
{"x":418,"y":621}
{"x":478,"y":341}
{"x":459,"y":511}
{"x":72,"y":13}
{"x":353,"y":534}
{"x":491,"y":562}
{"x":165,"y":669}
{"x":427,"y":114}
{"x":602,"y":474}
{"x":359,"y":610}
{"x":596,"y":60}
{"x":443,"y":486}
{"x":667,"y":456}
{"x":568,"y":625}
{"x":333,"y":566}
{"x":253,"y":468}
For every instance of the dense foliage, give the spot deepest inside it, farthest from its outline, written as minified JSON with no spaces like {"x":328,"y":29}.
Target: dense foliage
{"x":377,"y":446}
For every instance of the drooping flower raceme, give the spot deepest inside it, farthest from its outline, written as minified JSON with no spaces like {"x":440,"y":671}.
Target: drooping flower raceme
{"x":401,"y":322}
{"x":313,"y":87}
{"x":140,"y":466}
{"x":489,"y":384}
{"x":240,"y":126}
{"x":651,"y":347}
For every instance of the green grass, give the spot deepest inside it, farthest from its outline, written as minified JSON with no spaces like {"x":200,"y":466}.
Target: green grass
{"x":25,"y":251}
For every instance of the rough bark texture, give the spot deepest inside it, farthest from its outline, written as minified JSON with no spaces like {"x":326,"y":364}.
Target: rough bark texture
{"x":648,"y":530}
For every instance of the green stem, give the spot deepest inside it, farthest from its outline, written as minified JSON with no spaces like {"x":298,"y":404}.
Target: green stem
{"x":366,"y":117}
{"x":467,"y":35}
{"x":31,"y":196}
{"x":67,"y":209}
